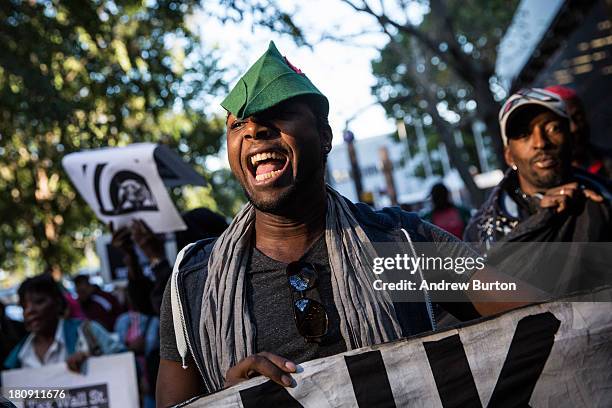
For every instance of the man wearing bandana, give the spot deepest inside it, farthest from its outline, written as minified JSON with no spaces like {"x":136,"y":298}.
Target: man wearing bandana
{"x":289,"y":280}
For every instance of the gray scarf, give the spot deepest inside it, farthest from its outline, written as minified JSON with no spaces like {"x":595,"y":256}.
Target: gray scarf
{"x":227,"y":331}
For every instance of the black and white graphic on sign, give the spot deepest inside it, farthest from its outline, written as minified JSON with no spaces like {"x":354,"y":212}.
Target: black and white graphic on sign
{"x":121,"y":184}
{"x":529,"y":350}
{"x":128,"y":192}
{"x":556,"y":354}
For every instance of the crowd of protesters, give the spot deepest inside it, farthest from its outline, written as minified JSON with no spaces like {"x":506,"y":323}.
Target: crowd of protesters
{"x":555,"y":189}
{"x":59,"y":326}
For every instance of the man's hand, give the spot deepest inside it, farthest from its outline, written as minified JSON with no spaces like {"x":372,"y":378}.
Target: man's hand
{"x":122,"y":240}
{"x":152,"y":246}
{"x":267,"y":364}
{"x":76,"y":360}
{"x":561,"y":197}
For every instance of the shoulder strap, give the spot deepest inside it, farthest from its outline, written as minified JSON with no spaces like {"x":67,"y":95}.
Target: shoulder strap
{"x":180,"y":329}
{"x":182,"y":289}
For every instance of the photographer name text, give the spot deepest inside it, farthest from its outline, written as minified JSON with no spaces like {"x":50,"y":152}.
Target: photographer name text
{"x":473,"y":285}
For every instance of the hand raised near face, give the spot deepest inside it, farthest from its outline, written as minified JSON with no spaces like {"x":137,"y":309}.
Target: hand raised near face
{"x":562,"y":197}
{"x":122,"y":239}
{"x":152,"y":246}
{"x":267,"y":364}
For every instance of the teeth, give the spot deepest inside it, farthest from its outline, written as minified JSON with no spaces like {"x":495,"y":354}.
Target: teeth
{"x":265,"y":156}
{"x":265,"y":176}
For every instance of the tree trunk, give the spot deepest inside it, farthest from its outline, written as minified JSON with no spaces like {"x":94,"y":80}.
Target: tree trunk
{"x":443,"y":128}
{"x":454,"y":156}
{"x":474,"y":72}
{"x":488,"y":110}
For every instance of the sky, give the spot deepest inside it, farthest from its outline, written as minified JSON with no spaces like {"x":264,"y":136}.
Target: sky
{"x":342,"y":72}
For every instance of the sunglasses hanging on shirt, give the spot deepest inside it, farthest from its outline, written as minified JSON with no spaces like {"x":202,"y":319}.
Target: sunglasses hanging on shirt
{"x":310,"y":315}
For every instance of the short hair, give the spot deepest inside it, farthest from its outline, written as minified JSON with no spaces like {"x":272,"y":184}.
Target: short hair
{"x":42,"y":284}
{"x":79,"y":279}
{"x":321,"y":116}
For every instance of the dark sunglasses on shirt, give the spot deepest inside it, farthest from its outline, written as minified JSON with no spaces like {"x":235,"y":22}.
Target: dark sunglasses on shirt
{"x":310,"y":316}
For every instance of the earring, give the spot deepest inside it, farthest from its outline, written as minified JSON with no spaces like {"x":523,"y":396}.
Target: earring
{"x":514,"y":167}
{"x":327,"y":148}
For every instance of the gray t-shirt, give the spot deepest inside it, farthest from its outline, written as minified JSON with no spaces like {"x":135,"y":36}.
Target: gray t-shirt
{"x":270,"y":301}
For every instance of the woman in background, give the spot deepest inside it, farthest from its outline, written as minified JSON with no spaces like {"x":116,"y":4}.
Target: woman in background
{"x":53,"y":339}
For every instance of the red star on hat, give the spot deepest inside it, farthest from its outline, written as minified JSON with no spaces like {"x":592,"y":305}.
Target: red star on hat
{"x":293,"y":67}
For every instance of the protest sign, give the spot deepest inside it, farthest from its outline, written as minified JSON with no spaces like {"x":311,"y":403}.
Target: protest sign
{"x":108,"y":382}
{"x":121,"y":184}
{"x":555,"y":354}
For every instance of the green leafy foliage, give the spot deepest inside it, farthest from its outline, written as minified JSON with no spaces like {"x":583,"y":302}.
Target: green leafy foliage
{"x":262,"y":13}
{"x":477,"y":26}
{"x":80,"y":75}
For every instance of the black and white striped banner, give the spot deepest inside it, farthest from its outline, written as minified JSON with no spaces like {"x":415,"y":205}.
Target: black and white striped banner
{"x":556,"y":354}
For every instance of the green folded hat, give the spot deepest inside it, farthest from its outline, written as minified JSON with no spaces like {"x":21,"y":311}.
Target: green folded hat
{"x":270,"y":81}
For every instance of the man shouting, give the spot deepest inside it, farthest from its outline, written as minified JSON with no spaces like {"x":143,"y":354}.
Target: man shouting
{"x":290,"y":279}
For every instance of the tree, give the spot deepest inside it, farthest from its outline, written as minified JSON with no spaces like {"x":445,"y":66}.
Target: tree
{"x":458,"y":42}
{"x":417,"y":100}
{"x":263,"y":13}
{"x":453,"y":83}
{"x":422,"y":73}
{"x":79,"y":75}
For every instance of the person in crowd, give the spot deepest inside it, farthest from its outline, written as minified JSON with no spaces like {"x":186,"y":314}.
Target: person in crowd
{"x":146,"y":294}
{"x":287,"y":281}
{"x":98,"y":305}
{"x":584,"y":156}
{"x":53,"y":339}
{"x":73,"y":308}
{"x":11,"y":332}
{"x":444,"y":213}
{"x":541,"y":197}
{"x":140,"y":333}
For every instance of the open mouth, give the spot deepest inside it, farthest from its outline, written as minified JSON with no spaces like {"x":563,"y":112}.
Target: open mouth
{"x":267,"y":166}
